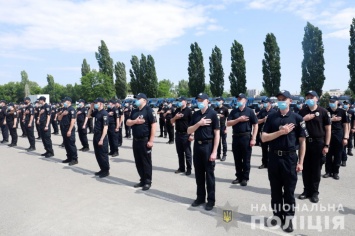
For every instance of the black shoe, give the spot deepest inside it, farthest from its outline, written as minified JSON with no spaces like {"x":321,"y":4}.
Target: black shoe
{"x":178,"y":171}
{"x":244,"y":182}
{"x":262,"y":167}
{"x":43,"y":154}
{"x":61,"y":145}
{"x":289,"y":228}
{"x":115,"y":154}
{"x":343,"y":163}
{"x":327,"y":175}
{"x":4,"y":141}
{"x":170,"y":142}
{"x":223,"y":158}
{"x":314,"y":198}
{"x":350,"y":153}
{"x":104,"y":174}
{"x":160,"y":136}
{"x":30,"y":149}
{"x":165,"y":136}
{"x":73,"y":162}
{"x":120,"y":144}
{"x":236,"y":181}
{"x":129,"y":136}
{"x":336,"y":176}
{"x":98,"y":173}
{"x":218,"y":158}
{"x":12,"y":145}
{"x":85,"y":149}
{"x":66,"y":161}
{"x":48,"y":155}
{"x":188,"y":172}
{"x":138,"y":185}
{"x":146,"y":187}
{"x":53,"y":133}
{"x":110,"y":153}
{"x":275,"y":221}
{"x":81,"y":149}
{"x":303,"y":196}
{"x":197,"y":203}
{"x":38,"y":138}
{"x":209,"y":206}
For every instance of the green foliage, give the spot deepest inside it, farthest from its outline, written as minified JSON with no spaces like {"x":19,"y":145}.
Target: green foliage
{"x":104,"y":60}
{"x":134,"y":73}
{"x":216,"y":72}
{"x":196,"y":71}
{"x":208,"y":90}
{"x":165,"y":89}
{"x":121,"y":80}
{"x":96,"y":84}
{"x":313,"y":60}
{"x":151,"y":78}
{"x":237,"y":76}
{"x":85,"y":68}
{"x":324,"y":100}
{"x":182,"y":89}
{"x":351,"y":65}
{"x":11,"y":92}
{"x":271,"y":66}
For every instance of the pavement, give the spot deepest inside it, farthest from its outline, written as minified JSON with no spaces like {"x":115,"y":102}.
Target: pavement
{"x":41,"y":196}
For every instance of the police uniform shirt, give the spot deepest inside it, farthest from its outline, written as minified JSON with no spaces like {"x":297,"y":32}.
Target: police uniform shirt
{"x":31,"y":112}
{"x":161,"y":115}
{"x":36,"y":109}
{"x":53,"y":112}
{"x":80,"y":118}
{"x":182,"y":124}
{"x":10,"y":117}
{"x":243,"y":127}
{"x":3,"y":112}
{"x":127,"y":112}
{"x":101,"y":120}
{"x":143,"y":130}
{"x":169,"y":115}
{"x":289,"y":142}
{"x":112,"y":118}
{"x":205,"y":132}
{"x":67,"y":118}
{"x":315,"y":126}
{"x":352,"y":118}
{"x":46,"y":112}
{"x":222,"y":111}
{"x":338,"y":125}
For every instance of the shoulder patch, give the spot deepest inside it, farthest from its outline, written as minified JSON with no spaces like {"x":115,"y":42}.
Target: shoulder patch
{"x":72,"y":112}
{"x":105,"y":117}
{"x":329,"y":114}
{"x":47,"y":108}
{"x":317,"y":113}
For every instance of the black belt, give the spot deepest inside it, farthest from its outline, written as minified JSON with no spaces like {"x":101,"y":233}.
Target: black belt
{"x":311,"y":140}
{"x":204,"y":141}
{"x":241,"y":134}
{"x":141,"y":139}
{"x":283,"y":153}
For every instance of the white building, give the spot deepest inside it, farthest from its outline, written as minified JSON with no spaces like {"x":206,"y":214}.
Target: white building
{"x":335,"y":92}
{"x":253,"y":92}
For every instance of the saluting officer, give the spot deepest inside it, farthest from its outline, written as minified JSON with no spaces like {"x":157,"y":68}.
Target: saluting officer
{"x":4,"y":130}
{"x":37,"y":108}
{"x":285,"y":131}
{"x":143,"y":123}
{"x":100,"y":140}
{"x":181,"y":119}
{"x":317,"y":145}
{"x":244,"y":121}
{"x":67,"y":119}
{"x":222,"y":113}
{"x":205,"y":126}
{"x":339,"y":138}
{"x":168,"y":114}
{"x":11,"y":121}
{"x":262,"y":116}
{"x":29,"y":122}
{"x":113,"y":127}
{"x":44,"y":120}
{"x":81,"y":113}
{"x":127,"y":113}
{"x":54,"y":122}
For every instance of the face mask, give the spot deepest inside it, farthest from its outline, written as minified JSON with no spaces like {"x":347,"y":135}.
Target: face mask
{"x":259,"y":105}
{"x":109,"y":106}
{"x":310,"y":102}
{"x":346,"y":107}
{"x":126,"y":105}
{"x":266,"y":104}
{"x":137,"y":103}
{"x":332,"y":105}
{"x":79,"y":105}
{"x":200,"y":105}
{"x":179,"y":104}
{"x":240,"y":104}
{"x":9,"y":108}
{"x":298,"y":106}
{"x":65,"y":105}
{"x":282,"y":105}
{"x":217,"y":104}
{"x":96,"y":106}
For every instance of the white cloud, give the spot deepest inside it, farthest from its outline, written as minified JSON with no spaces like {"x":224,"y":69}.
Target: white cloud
{"x":340,"y":22}
{"x":80,"y":25}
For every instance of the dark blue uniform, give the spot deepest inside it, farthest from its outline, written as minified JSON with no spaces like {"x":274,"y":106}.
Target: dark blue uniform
{"x":169,"y":126}
{"x":54,"y":123}
{"x":21,"y":117}
{"x":223,"y":134}
{"x":45,"y":134}
{"x":113,"y":135}
{"x":162,"y":123}
{"x":4,"y":130}
{"x":10,"y":118}
{"x":203,"y":147}
{"x":69,"y":142}
{"x":349,"y":146}
{"x":30,"y":130}
{"x":37,"y":110}
{"x":141,"y":133}
{"x":127,"y":113}
{"x":119,"y":135}
{"x":241,"y":141}
{"x":283,"y":162}
{"x":101,"y":152}
{"x":80,"y":119}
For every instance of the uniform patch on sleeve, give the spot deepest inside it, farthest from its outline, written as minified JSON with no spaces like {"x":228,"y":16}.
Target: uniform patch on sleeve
{"x":329,"y":114}
{"x":47,"y":108}
{"x":72,"y":112}
{"x":105,"y":117}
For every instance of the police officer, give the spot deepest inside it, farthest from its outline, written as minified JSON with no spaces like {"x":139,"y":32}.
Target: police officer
{"x":244,"y":121}
{"x":67,"y":120}
{"x":37,"y":108}
{"x":317,"y":145}
{"x":20,"y":113}
{"x":54,"y":122}
{"x":100,"y":140}
{"x":222,"y":113}
{"x":339,"y":138}
{"x":143,"y":123}
{"x":285,"y":134}
{"x":4,"y":130}
{"x":29,"y":123}
{"x":299,"y":106}
{"x":204,"y":126}
{"x":11,"y":121}
{"x":262,"y":116}
{"x":81,"y":113}
{"x":44,"y":121}
{"x":162,"y":123}
{"x":60,"y":111}
{"x":181,"y":118}
{"x":257,"y":112}
{"x":120,"y":116}
{"x":113,"y":127}
{"x":349,"y":146}
{"x":168,"y":114}
{"x":127,"y":113}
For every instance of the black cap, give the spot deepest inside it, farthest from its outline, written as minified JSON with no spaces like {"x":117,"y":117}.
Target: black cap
{"x":81,"y":100}
{"x":182,"y":98}
{"x":10,"y":104}
{"x":99,"y":100}
{"x":141,"y":95}
{"x":333,"y":98}
{"x":241,"y":95}
{"x":345,"y":102}
{"x":3,"y":101}
{"x":285,"y":93}
{"x":202,"y":96}
{"x":299,"y":102}
{"x":36,"y":101}
{"x":220,"y":99}
{"x":119,"y":101}
{"x":267,"y":100}
{"x":312,"y":92}
{"x":67,"y":99}
{"x":27,"y":99}
{"x":43,"y":98}
{"x":113,"y":101}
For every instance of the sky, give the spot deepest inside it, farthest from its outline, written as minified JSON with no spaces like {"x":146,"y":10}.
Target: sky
{"x":54,"y":36}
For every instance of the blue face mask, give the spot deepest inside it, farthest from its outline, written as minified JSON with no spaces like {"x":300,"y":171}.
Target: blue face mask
{"x":200,"y":105}
{"x":259,"y":105}
{"x":137,"y":103}
{"x":332,"y":105}
{"x":298,"y":106}
{"x":266,"y":104}
{"x":109,"y":106}
{"x":346,"y":107}
{"x":96,"y":106}
{"x":217,"y":104}
{"x":240,"y":104}
{"x":310,"y":102}
{"x":65,"y":105}
{"x":179,"y":104}
{"x":79,"y":105}
{"x":282,"y":105}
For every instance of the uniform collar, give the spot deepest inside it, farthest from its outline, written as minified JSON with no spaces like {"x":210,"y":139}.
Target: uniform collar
{"x":287,"y":114}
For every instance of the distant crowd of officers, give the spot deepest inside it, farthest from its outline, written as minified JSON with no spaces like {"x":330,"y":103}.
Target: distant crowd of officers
{"x":302,"y":139}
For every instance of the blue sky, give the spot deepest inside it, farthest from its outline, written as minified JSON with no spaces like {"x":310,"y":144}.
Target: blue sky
{"x":54,"y":36}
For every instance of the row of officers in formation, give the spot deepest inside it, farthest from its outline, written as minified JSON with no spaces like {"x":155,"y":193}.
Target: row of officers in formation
{"x":291,"y":141}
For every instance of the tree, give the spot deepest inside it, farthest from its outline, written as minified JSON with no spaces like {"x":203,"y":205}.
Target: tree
{"x":104,"y":60}
{"x":237,"y":76}
{"x":351,"y":65}
{"x":196,"y":71}
{"x":216,"y":72}
{"x":151,"y":78}
{"x":182,"y":89}
{"x":208,"y":90}
{"x":96,"y":84}
{"x":121,"y":80}
{"x":134,"y":73}
{"x":324,"y":100}
{"x":165,"y":88}
{"x":271,"y":66}
{"x":85,"y":68}
{"x":313,"y":60}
